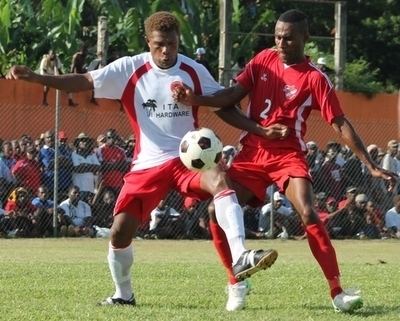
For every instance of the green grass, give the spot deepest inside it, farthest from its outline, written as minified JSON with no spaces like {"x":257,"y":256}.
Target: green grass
{"x":62,"y":279}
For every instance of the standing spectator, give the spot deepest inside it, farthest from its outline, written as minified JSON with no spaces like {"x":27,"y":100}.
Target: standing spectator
{"x":46,"y":158}
{"x":6,"y":163}
{"x":77,"y":67}
{"x":86,"y":166}
{"x":314,"y":158}
{"x":77,"y":215}
{"x":392,"y":218}
{"x":27,"y":171}
{"x":201,"y":59}
{"x":330,"y":173}
{"x":49,"y":64}
{"x":7,"y":155}
{"x":389,"y":161}
{"x":113,"y":162}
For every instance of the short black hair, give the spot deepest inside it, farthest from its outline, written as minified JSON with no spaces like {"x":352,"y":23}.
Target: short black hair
{"x":297,"y":17}
{"x":293,"y":16}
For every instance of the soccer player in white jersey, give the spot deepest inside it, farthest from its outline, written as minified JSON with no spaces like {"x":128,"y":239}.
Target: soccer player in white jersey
{"x":142,"y":83}
{"x":283,"y":87}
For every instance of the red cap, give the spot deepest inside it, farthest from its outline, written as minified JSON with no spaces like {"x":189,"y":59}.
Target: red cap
{"x":62,"y":135}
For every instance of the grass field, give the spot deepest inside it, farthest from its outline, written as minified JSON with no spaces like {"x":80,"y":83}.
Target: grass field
{"x":62,"y":279}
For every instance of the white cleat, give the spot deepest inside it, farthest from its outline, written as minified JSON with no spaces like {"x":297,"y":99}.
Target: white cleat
{"x":347,"y":301}
{"x":237,"y":295}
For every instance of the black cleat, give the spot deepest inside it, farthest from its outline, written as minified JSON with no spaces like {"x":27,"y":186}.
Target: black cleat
{"x":252,"y":261}
{"x":118,"y":301}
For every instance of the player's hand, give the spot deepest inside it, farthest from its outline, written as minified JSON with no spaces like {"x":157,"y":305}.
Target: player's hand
{"x":20,"y":72}
{"x":391,"y":178}
{"x":182,"y":93}
{"x":275,"y":131}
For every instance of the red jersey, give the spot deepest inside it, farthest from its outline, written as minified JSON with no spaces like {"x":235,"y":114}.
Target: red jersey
{"x":112,"y":154}
{"x":284,"y":94}
{"x":28,"y":173}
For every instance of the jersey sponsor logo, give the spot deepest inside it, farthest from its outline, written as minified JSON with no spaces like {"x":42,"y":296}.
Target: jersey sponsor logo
{"x":264,"y":77}
{"x":165,"y":111}
{"x":289,"y":91}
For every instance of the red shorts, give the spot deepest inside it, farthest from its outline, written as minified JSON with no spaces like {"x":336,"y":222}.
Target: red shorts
{"x":257,"y":168}
{"x":143,"y":190}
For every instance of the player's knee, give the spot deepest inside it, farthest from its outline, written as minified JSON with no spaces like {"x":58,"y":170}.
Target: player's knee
{"x":122,"y":231}
{"x":308,"y":216}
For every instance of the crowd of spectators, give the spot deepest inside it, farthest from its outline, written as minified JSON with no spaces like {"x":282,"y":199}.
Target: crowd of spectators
{"x":350,"y":202}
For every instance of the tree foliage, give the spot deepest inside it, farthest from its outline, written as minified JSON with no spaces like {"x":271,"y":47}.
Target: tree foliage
{"x":29,"y":28}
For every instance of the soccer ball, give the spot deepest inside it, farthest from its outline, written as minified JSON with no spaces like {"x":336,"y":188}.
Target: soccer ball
{"x":200,"y":149}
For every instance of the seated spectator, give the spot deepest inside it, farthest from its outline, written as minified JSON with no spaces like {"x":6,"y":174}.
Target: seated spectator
{"x":392,"y":218}
{"x":77,"y":215}
{"x":43,"y":214}
{"x":165,"y":222}
{"x":103,"y":207}
{"x":281,"y":214}
{"x":86,"y":166}
{"x":20,"y":212}
{"x":195,"y":219}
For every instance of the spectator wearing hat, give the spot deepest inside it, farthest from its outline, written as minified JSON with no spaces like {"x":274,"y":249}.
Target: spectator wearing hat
{"x":280,"y":214}
{"x":322,"y":65}
{"x":201,"y":59}
{"x":86,"y":165}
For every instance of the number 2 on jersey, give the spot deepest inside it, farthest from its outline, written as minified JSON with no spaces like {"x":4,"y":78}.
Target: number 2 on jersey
{"x":268,"y":104}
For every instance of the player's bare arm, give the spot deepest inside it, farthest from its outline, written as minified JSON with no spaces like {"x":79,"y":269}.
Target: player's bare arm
{"x":224,"y":98}
{"x":236,"y":118}
{"x":346,"y":131}
{"x":67,"y":82}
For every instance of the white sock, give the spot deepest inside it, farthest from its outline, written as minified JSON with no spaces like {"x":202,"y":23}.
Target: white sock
{"x":230,"y":217}
{"x":120,"y":262}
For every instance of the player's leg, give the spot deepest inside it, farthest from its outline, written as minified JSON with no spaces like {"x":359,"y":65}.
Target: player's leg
{"x":120,"y":258}
{"x":229,"y":215}
{"x":300,"y":193}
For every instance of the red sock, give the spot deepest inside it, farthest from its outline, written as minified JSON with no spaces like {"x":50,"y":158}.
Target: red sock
{"x":324,"y":253}
{"x":223,"y":250}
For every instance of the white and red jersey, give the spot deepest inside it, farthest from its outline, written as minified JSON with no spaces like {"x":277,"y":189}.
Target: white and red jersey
{"x":158,"y":122}
{"x":286,"y":94}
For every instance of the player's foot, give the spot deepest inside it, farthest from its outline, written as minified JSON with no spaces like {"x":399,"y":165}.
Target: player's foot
{"x":237,"y":295}
{"x":252,"y":261}
{"x":118,"y":301}
{"x":347,"y":301}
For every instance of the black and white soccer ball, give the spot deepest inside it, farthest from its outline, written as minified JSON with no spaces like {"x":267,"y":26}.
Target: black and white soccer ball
{"x":200,"y":149}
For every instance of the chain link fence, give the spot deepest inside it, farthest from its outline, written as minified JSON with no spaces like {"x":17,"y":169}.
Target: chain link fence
{"x":95,"y":150}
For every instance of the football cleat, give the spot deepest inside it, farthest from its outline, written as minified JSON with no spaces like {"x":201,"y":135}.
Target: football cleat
{"x":237,"y":295}
{"x":118,"y":301}
{"x":252,"y":261}
{"x":347,"y":301}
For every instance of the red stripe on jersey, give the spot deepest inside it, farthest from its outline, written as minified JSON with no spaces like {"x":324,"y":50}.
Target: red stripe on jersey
{"x":197,"y":89}
{"x":127,"y":100}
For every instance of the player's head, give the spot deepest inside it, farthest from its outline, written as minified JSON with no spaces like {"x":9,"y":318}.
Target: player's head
{"x":291,"y":34}
{"x":162,"y":36}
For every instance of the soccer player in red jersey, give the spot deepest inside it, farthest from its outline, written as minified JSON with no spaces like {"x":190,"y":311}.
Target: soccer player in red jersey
{"x":283,"y":86}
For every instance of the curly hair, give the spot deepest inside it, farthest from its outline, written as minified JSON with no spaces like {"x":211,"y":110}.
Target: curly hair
{"x":161,"y":21}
